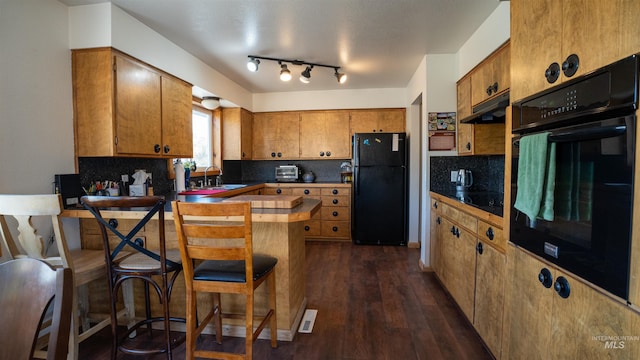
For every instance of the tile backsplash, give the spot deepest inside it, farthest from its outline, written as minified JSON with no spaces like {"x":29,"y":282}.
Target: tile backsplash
{"x":488,"y":172}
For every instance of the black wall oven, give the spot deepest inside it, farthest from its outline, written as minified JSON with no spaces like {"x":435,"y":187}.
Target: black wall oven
{"x":591,"y":120}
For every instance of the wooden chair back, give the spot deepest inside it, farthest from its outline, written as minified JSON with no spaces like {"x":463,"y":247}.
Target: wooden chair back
{"x":27,"y":288}
{"x":29,"y":214}
{"x":215,"y":231}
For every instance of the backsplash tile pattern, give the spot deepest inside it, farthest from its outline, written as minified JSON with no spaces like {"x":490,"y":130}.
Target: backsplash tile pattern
{"x":488,"y":172}
{"x":107,"y":168}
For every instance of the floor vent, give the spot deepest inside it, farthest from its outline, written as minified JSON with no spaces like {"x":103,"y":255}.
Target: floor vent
{"x":309,"y":318}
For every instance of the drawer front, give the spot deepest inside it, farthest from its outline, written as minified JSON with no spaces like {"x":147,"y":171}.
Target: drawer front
{"x":487,"y":231}
{"x":312,"y":193}
{"x":278,"y":191}
{"x":312,"y":228}
{"x":338,"y":200}
{"x":336,"y":229}
{"x":469,"y":222}
{"x":335,"y":213}
{"x":329,"y":191}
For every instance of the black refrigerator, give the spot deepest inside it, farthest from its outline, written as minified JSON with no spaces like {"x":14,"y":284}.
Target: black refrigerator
{"x":380,"y":189}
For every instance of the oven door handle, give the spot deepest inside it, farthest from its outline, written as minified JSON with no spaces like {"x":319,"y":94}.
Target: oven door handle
{"x":585,"y":134}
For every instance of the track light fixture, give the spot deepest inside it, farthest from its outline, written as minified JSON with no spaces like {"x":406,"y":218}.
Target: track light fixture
{"x":252,"y":65}
{"x":285,"y":73}
{"x":305,"y":76}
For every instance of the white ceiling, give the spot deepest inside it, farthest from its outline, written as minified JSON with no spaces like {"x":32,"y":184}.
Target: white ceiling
{"x":377,"y":43}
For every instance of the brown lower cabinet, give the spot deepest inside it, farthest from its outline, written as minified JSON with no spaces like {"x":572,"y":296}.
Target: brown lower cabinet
{"x":333,"y":221}
{"x":540,"y":324}
{"x":469,"y":259}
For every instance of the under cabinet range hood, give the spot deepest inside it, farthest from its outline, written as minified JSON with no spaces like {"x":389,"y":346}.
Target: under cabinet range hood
{"x":490,"y":111}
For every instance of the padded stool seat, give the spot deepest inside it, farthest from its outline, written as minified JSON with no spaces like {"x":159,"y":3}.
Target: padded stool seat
{"x":233,"y":270}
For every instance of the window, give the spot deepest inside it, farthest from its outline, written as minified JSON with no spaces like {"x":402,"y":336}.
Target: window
{"x":202,"y":139}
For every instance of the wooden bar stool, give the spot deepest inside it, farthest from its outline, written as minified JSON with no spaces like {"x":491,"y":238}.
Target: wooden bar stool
{"x":142,"y":264}
{"x":218,"y":237}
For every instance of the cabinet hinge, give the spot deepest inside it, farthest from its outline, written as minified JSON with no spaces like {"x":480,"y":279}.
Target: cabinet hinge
{"x":116,"y":140}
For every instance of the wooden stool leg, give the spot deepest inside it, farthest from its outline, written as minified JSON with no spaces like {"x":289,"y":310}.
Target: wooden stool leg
{"x":218,"y":317}
{"x":249,"y":327}
{"x":272,"y":305}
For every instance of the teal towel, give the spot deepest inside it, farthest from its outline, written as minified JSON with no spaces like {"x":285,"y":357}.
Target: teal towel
{"x":536,"y":176}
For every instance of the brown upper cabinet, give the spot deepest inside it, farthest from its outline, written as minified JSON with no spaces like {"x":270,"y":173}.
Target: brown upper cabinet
{"x":377,"y":120}
{"x":236,"y":134}
{"x":124,"y":107}
{"x":487,"y":80}
{"x":276,"y":135}
{"x":492,"y":77}
{"x":325,"y":135}
{"x":546,"y":33}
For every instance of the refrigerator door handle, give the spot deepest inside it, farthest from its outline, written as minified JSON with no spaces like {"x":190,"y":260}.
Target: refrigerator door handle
{"x":356,"y":170}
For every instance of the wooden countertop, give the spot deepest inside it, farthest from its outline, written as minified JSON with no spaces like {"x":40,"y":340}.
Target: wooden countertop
{"x":480,"y":214}
{"x":302,"y":212}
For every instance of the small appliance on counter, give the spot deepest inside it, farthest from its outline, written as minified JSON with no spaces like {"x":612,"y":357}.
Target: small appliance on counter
{"x":346,"y":172}
{"x":287,"y":173}
{"x":464,"y":180}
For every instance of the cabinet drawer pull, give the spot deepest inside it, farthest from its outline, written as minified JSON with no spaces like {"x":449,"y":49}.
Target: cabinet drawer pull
{"x":278,"y":191}
{"x":490,"y":234}
{"x":438,"y":221}
{"x":435,"y":204}
{"x":335,"y":228}
{"x":113,"y":223}
{"x":335,"y":201}
{"x":335,"y":213}
{"x":334,"y":191}
{"x":306,"y":191}
{"x":479,"y":248}
{"x":306,"y":228}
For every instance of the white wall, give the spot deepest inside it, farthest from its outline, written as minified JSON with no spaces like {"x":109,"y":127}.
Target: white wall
{"x":36,"y":116}
{"x":331,"y":99}
{"x":493,"y":32}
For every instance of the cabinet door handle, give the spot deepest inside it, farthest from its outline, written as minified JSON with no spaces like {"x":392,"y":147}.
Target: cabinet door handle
{"x":279,"y":154}
{"x":490,"y":233}
{"x":273,"y":154}
{"x":113,"y":223}
{"x":321,"y":153}
{"x":453,"y":230}
{"x":166,"y":149}
{"x":468,"y":146}
{"x":552,"y":73}
{"x":328,"y":153}
{"x":458,"y":233}
{"x":156,"y":148}
{"x":306,"y":228}
{"x":570,"y":65}
{"x":545,"y":277}
{"x":479,"y":248}
{"x":435,"y":204}
{"x":438,"y":221}
{"x":561,"y":286}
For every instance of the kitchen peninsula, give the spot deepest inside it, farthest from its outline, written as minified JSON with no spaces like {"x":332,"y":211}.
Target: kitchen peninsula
{"x":277,"y":232}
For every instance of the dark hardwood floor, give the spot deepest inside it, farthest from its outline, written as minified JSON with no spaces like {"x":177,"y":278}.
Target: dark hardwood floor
{"x":373,"y":302}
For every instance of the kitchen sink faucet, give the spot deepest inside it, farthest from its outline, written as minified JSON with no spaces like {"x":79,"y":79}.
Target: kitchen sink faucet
{"x":219,"y":177}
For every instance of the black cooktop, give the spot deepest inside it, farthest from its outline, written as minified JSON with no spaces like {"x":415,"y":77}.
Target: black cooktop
{"x":488,"y":201}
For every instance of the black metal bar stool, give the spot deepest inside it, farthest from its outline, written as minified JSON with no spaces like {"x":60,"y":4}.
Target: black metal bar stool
{"x":141,"y":264}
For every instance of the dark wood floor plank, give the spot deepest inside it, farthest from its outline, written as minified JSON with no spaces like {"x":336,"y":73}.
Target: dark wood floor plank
{"x":373,"y":303}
